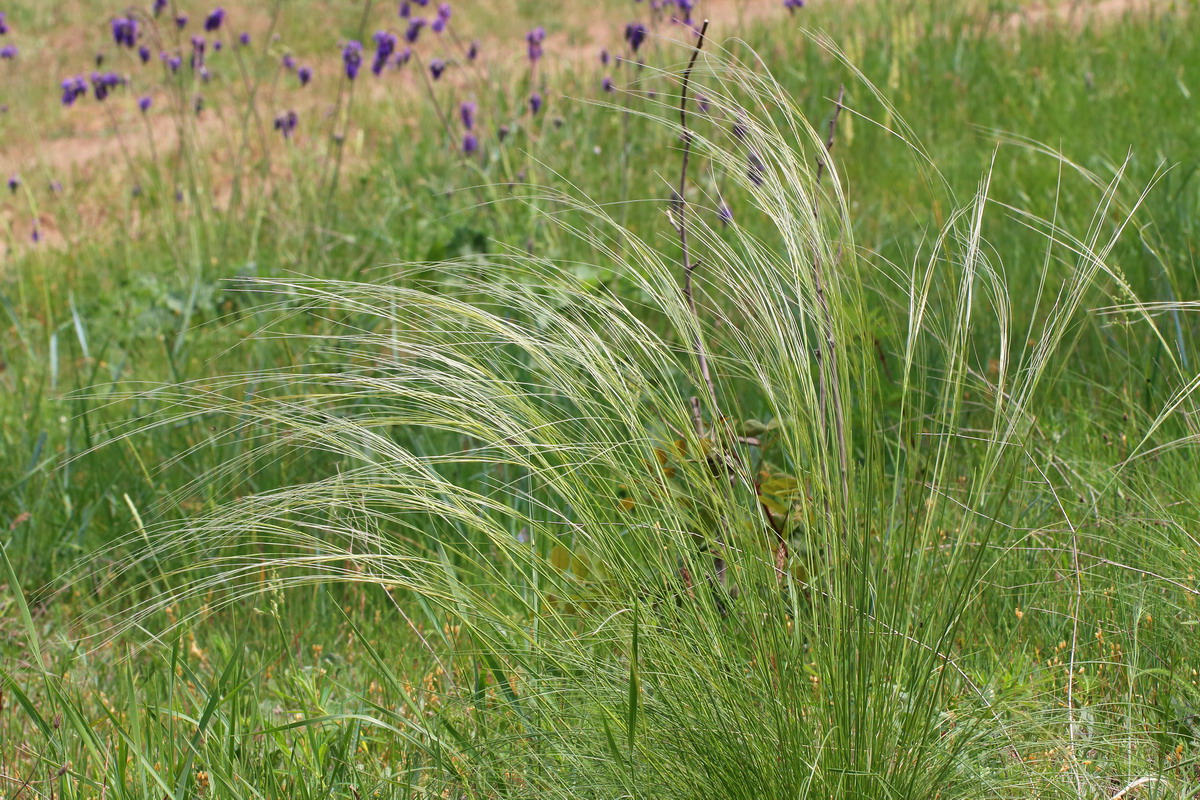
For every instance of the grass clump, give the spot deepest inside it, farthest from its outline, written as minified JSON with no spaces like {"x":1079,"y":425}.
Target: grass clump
{"x":840,"y":569}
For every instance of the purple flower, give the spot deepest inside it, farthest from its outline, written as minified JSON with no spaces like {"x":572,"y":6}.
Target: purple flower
{"x":470,"y":143}
{"x":305,"y":75}
{"x":755,"y":169}
{"x":604,"y":57}
{"x":214,"y":20}
{"x":174,"y":62}
{"x":73,"y":89}
{"x":473,"y":50}
{"x":8,"y":52}
{"x":414,"y":29}
{"x":607,"y":84}
{"x":405,"y":9}
{"x":352,"y":58}
{"x":217,"y":45}
{"x":444,"y":11}
{"x":385,"y":45}
{"x":3,"y":24}
{"x":14,"y":183}
{"x":244,"y":38}
{"x":105,"y":82}
{"x":635,"y":35}
{"x":205,"y":74}
{"x":125,"y":31}
{"x":739,"y":127}
{"x":466,"y":112}
{"x":436,"y":67}
{"x":181,"y":21}
{"x":792,"y":5}
{"x":36,"y":236}
{"x":286,"y":124}
{"x":198,"y":45}
{"x":159,"y":6}
{"x":144,"y":54}
{"x":535,"y":103}
{"x":289,"y":61}
{"x":402,"y":57}
{"x":144,"y":103}
{"x":438,"y":25}
{"x":533,"y":41}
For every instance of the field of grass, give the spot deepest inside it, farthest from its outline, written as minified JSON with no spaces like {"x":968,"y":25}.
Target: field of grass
{"x":840,"y":445}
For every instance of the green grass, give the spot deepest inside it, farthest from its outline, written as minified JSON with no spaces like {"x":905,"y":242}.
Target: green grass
{"x":451,"y":529}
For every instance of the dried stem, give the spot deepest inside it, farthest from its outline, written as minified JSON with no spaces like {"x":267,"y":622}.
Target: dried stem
{"x":680,"y":203}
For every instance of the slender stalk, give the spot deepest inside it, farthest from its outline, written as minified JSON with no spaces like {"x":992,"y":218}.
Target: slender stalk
{"x":680,"y":202}
{"x":829,"y":385}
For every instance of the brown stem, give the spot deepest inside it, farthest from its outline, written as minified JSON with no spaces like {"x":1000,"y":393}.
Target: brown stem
{"x":680,"y":202}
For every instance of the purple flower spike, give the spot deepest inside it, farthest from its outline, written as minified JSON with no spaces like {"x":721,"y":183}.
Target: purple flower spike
{"x":352,"y":58}
{"x":635,"y":35}
{"x":73,"y":89}
{"x":466,"y":112}
{"x":36,"y":236}
{"x":473,"y":50}
{"x":8,"y":52}
{"x":286,"y":124}
{"x":755,"y":169}
{"x":470,"y":143}
{"x":214,"y":20}
{"x":14,"y":183}
{"x":218,"y":44}
{"x":104,"y":82}
{"x":792,"y":5}
{"x":405,"y":9}
{"x":244,"y":38}
{"x":533,"y":41}
{"x":289,"y":61}
{"x":174,"y":63}
{"x":181,"y":21}
{"x":160,"y":6}
{"x":144,"y":103}
{"x":444,"y":11}
{"x":3,"y":24}
{"x":403,"y":57}
{"x":385,"y":45}
{"x":535,"y":103}
{"x":604,"y":57}
{"x":607,"y":84}
{"x":305,"y":75}
{"x":438,"y":25}
{"x":436,"y":67}
{"x":125,"y":31}
{"x":414,"y":29}
{"x":144,"y":54}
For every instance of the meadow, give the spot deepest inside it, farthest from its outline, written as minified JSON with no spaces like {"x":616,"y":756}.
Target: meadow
{"x":664,"y":399}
